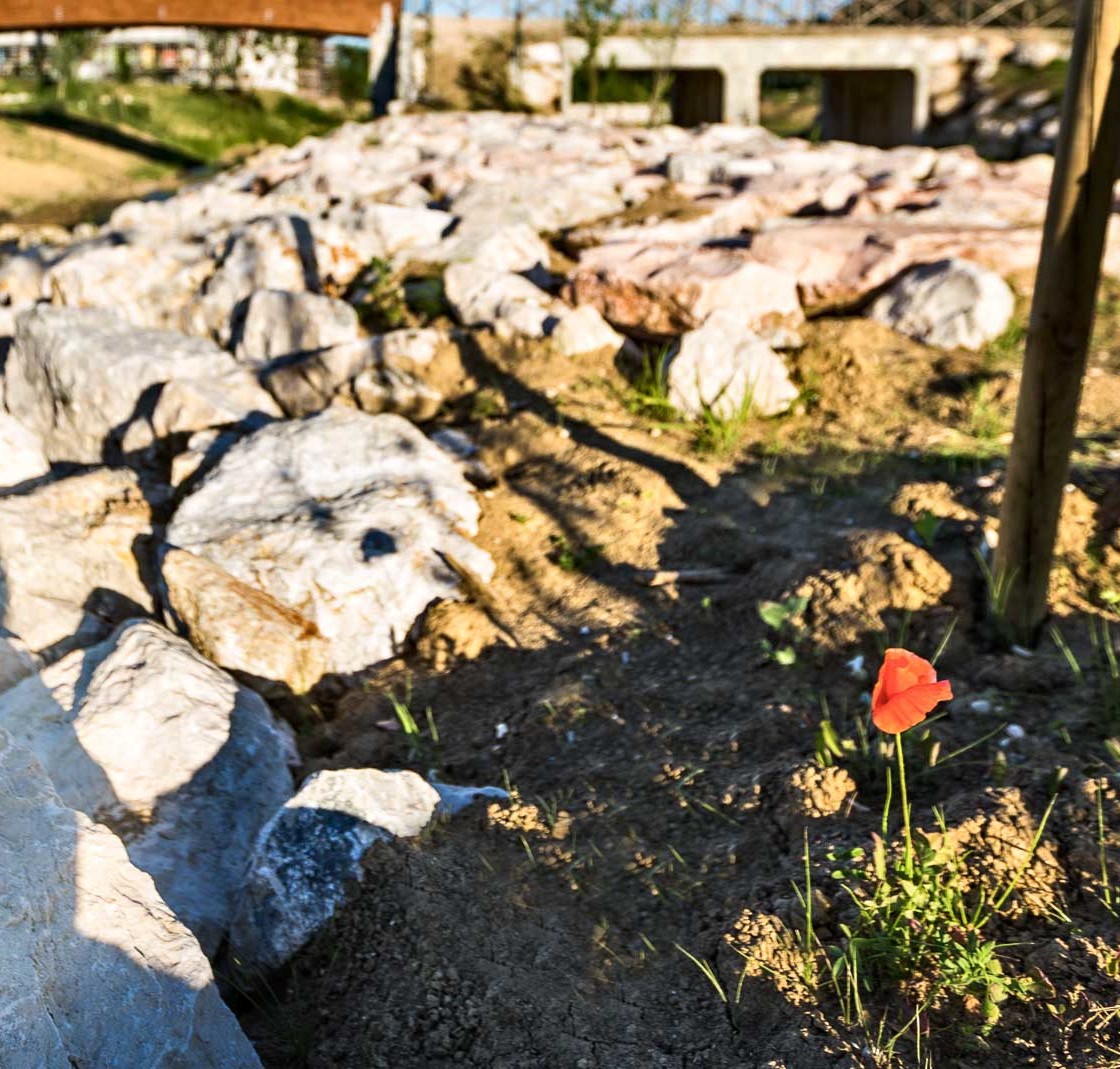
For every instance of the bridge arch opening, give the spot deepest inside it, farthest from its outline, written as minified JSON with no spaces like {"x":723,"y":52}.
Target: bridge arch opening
{"x":872,"y":106}
{"x":695,"y":95}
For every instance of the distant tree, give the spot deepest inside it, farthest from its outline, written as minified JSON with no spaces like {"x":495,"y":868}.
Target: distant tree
{"x":70,"y":48}
{"x":485,"y":78}
{"x":223,"y":56}
{"x":663,"y":22}
{"x":591,"y":21}
{"x":123,"y":64}
{"x":351,"y":73}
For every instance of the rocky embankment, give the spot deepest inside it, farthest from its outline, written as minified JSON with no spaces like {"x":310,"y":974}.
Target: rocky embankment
{"x":229,"y":478}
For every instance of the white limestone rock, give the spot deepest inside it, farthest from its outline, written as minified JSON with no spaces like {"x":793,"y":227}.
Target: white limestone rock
{"x":95,"y":969}
{"x":510,"y":247}
{"x":16,"y":660}
{"x":358,"y":231}
{"x":279,"y":324}
{"x":69,"y":559}
{"x":543,"y":203}
{"x":76,"y":377}
{"x":149,"y":285}
{"x":584,"y":330}
{"x":341,"y":517}
{"x":950,"y":303}
{"x":189,"y":405}
{"x":310,"y":853}
{"x":142,"y":734}
{"x":22,"y":279}
{"x":242,"y":629}
{"x":270,"y":253}
{"x":386,"y":388}
{"x":375,"y":374}
{"x":724,"y":367}
{"x":21,"y":453}
{"x":508,"y":302}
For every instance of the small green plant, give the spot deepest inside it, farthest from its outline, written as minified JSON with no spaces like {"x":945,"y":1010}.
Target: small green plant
{"x":425,"y":298}
{"x":1106,"y":895}
{"x":781,"y":617}
{"x":986,"y":418}
{"x":719,"y":433}
{"x":381,"y":298}
{"x":1006,"y":350}
{"x":402,"y":710}
{"x":709,"y":973}
{"x":570,"y":557}
{"x":486,"y":404}
{"x":916,"y":926}
{"x":926,"y":527}
{"x":1100,"y":634}
{"x":648,"y":395}
{"x":998,"y":584}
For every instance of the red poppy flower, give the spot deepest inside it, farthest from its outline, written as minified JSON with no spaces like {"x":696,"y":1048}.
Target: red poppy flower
{"x":906,"y":692}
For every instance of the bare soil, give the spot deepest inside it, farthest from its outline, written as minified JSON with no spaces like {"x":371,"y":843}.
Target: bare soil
{"x":664,"y":766}
{"x":53,"y":176}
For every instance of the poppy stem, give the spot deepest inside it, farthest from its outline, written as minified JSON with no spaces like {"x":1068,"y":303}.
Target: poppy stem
{"x":905,"y":799}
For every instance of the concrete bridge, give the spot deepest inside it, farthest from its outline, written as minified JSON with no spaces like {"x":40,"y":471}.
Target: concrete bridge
{"x":321,"y":17}
{"x":877,"y":83}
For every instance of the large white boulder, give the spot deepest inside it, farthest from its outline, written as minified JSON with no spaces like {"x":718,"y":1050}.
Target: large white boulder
{"x":342,"y":517}
{"x":77,"y":377}
{"x":184,"y":764}
{"x":69,"y":559}
{"x":95,"y":969}
{"x":950,"y":303}
{"x":726,"y":369}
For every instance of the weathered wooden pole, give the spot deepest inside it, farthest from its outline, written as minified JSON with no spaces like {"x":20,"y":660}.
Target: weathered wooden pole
{"x":1065,"y":294}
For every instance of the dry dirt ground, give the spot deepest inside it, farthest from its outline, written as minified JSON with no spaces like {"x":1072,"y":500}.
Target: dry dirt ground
{"x":51,"y":175}
{"x":665,"y":766}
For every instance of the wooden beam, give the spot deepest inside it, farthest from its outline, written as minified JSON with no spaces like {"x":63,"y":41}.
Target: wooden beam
{"x":1061,"y":323}
{"x":296,"y":16}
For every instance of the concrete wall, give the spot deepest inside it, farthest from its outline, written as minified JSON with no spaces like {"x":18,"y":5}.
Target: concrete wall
{"x":877,"y":83}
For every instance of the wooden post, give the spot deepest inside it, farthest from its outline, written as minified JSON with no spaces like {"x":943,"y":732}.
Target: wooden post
{"x":1065,"y":295}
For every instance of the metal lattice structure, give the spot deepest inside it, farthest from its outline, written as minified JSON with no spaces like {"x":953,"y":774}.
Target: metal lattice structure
{"x":772,"y":15}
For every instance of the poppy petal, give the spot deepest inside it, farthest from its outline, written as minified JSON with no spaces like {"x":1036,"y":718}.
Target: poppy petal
{"x":912,"y":706}
{"x":902,"y":670}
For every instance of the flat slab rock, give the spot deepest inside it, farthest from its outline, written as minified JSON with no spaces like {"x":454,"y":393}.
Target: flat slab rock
{"x":667,"y":289}
{"x":185,"y":765}
{"x":240,"y":627}
{"x":341,"y":517}
{"x":95,"y":969}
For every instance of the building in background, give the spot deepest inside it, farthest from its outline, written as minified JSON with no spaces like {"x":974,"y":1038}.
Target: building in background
{"x":182,"y":55}
{"x":21,"y":52}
